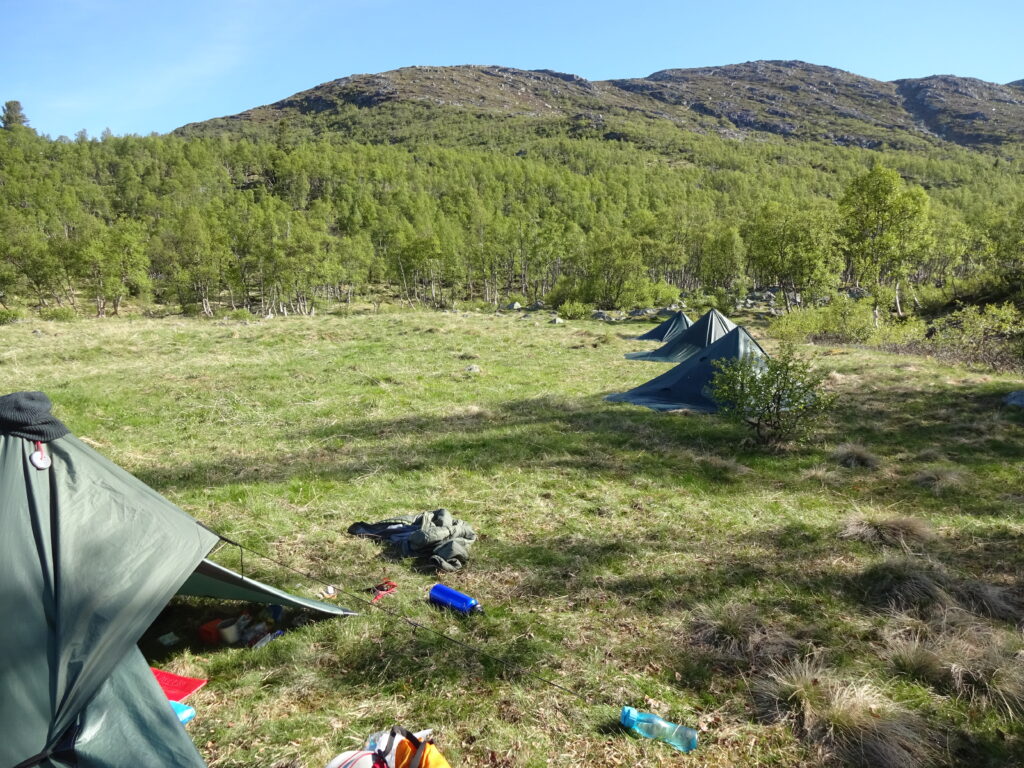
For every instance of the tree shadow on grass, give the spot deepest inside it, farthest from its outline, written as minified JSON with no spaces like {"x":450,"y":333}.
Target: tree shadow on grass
{"x":584,"y":435}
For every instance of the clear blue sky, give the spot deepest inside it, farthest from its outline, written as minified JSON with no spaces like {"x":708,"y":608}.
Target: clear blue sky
{"x":137,"y":66}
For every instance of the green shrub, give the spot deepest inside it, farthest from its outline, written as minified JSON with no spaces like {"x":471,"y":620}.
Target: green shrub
{"x":700,"y":303}
{"x":841,"y":321}
{"x":239,"y":315}
{"x":993,"y":335}
{"x":663,"y":294}
{"x":8,"y":316}
{"x":909,"y":332}
{"x":575,"y":310}
{"x":634,"y":292}
{"x":780,"y":398}
{"x":58,"y":314}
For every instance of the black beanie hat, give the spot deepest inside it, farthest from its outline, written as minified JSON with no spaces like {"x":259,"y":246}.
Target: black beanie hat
{"x":27,"y":415}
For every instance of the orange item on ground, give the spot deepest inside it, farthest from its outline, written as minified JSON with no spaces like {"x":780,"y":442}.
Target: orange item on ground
{"x":405,"y":753}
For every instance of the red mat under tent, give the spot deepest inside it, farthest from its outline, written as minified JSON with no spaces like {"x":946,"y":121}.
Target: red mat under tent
{"x":177,"y":687}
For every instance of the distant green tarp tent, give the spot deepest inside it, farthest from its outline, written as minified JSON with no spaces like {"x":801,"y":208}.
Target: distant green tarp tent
{"x":687,"y":385}
{"x":667,"y":330}
{"x":89,"y":556}
{"x":711,"y":326}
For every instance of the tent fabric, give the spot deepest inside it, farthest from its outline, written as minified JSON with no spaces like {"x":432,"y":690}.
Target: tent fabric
{"x":212,"y":580}
{"x":687,"y":385}
{"x":131,"y":723}
{"x":711,"y":326}
{"x":667,"y":330}
{"x":89,"y":556}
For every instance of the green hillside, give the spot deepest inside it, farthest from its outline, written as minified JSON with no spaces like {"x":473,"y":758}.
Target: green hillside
{"x":488,"y":184}
{"x":784,"y":98}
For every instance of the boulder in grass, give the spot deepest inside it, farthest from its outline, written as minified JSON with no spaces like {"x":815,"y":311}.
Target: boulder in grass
{"x":601,"y":315}
{"x":514,"y":305}
{"x":536,"y":306}
{"x":557,"y":320}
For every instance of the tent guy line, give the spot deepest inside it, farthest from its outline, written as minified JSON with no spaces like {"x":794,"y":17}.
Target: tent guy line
{"x":394,"y":615}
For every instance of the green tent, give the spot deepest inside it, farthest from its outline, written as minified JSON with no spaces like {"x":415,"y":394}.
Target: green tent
{"x":711,"y":326}
{"x":667,"y":330}
{"x":88,"y":557}
{"x":686,"y":385}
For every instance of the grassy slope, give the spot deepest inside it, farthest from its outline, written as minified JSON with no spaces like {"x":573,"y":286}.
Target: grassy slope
{"x":604,"y":526}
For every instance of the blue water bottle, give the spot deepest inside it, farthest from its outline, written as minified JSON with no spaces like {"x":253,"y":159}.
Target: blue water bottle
{"x":653,"y":727}
{"x":452,"y":598}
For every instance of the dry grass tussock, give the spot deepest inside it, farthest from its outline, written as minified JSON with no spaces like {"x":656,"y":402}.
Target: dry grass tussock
{"x":975,"y":662}
{"x":855,"y":455}
{"x":853,"y":724}
{"x":909,"y":584}
{"x":736,"y":631}
{"x":470,"y":412}
{"x":893,"y":531}
{"x":724,"y":468}
{"x":940,"y":480}
{"x":928,"y":590}
{"x":823,"y":475}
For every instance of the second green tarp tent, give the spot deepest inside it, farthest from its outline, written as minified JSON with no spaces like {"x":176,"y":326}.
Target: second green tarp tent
{"x":687,"y":386}
{"x":667,"y":330}
{"x":711,"y":326}
{"x":89,"y":555}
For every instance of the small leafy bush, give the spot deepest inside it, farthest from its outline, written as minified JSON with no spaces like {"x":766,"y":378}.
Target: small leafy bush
{"x":841,"y":321}
{"x":58,"y":314}
{"x":9,"y":316}
{"x":238,"y":315}
{"x":635,"y":291}
{"x":575,"y":310}
{"x":780,"y":398}
{"x":700,"y":303}
{"x":663,"y":294}
{"x":909,"y":332}
{"x":992,"y":336}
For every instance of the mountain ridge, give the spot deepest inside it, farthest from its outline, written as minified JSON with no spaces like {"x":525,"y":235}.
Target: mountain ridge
{"x":791,"y":99}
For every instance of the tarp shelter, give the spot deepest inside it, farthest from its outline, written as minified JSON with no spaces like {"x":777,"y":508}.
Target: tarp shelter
{"x":687,"y":385}
{"x":667,"y":330}
{"x":89,"y":556}
{"x":711,"y":326}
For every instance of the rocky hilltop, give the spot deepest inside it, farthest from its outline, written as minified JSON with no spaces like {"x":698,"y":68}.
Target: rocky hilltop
{"x":785,"y":98}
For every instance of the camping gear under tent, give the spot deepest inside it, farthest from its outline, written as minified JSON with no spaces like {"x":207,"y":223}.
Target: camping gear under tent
{"x":711,"y":326}
{"x":687,"y":385}
{"x":89,"y":556}
{"x":669,"y":329}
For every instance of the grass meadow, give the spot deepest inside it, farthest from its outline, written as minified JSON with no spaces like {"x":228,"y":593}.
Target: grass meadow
{"x":853,"y":601}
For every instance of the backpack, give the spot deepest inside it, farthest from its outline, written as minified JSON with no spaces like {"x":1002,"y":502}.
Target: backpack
{"x":402,"y":750}
{"x":358,"y":758}
{"x":437,"y":536}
